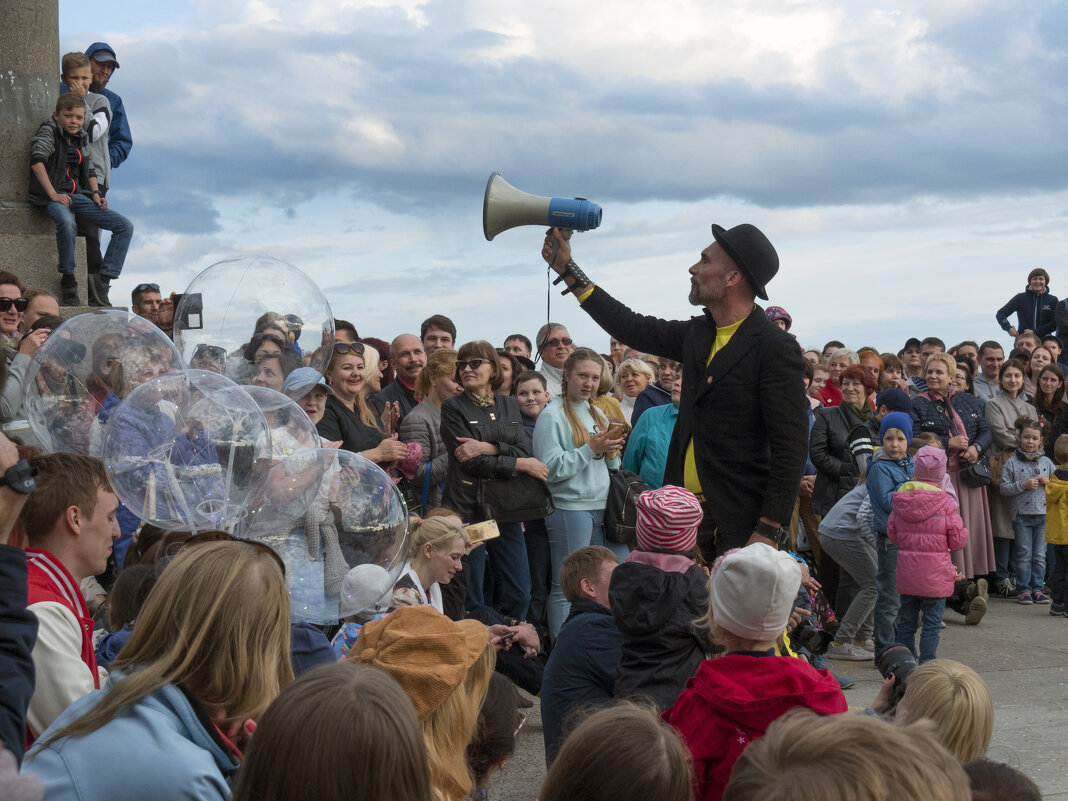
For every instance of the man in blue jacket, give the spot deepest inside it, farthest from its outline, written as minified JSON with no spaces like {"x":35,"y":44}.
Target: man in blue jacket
{"x":581,"y":670}
{"x":1035,"y":307}
{"x":103,"y":63}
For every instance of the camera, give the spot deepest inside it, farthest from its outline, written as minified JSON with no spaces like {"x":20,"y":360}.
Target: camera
{"x":898,"y":660}
{"x":811,"y":638}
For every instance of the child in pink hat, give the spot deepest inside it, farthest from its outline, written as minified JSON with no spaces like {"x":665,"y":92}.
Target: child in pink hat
{"x":655,"y":596}
{"x":925,"y":526}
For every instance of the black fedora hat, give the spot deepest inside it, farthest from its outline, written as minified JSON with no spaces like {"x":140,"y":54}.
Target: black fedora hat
{"x":751,"y":251}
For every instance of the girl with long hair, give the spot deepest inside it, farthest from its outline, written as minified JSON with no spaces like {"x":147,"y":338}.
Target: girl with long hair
{"x":578,"y":446}
{"x":208,"y":655}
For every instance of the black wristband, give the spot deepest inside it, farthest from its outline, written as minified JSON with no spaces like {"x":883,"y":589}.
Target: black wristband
{"x":574,"y":271}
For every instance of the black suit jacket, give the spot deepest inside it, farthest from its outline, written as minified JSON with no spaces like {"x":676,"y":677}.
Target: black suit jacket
{"x":745,"y":411}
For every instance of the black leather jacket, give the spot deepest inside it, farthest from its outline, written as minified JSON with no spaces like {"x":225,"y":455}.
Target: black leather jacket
{"x":501,"y":424}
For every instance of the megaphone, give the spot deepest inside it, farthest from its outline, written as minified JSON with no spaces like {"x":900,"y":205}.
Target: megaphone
{"x":506,"y":207}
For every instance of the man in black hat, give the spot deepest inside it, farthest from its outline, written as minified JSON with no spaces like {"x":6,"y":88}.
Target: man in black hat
{"x":741,"y":437}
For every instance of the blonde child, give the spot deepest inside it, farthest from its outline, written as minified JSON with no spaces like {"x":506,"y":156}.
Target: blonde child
{"x":1023,"y":480}
{"x":924,"y":524}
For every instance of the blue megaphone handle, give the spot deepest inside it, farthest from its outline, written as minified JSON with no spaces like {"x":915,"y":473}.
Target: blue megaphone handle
{"x":576,"y":213}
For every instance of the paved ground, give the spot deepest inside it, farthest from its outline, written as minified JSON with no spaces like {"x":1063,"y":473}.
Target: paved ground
{"x":1021,"y":652}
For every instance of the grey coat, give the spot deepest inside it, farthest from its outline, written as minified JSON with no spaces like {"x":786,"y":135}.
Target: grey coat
{"x":423,"y":425}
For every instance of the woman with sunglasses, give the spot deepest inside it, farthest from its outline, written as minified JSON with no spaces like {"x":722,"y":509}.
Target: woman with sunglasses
{"x":484,"y":437}
{"x":349,"y":418}
{"x":208,"y":654}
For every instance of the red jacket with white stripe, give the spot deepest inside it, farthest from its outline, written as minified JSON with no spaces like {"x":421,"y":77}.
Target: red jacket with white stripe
{"x":63,"y":658}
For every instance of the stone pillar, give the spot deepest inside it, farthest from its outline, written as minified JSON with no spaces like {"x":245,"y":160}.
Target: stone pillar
{"x":29,"y":85}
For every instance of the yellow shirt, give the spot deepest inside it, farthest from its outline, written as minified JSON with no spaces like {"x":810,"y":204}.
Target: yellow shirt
{"x":689,"y":468}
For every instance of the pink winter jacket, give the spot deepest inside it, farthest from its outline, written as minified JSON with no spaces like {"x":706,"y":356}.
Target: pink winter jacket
{"x":925,"y":525}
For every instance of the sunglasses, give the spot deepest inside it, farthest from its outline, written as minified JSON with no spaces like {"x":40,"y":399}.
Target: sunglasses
{"x":221,"y":536}
{"x":341,"y":348}
{"x":146,"y":288}
{"x":260,"y":338}
{"x":474,"y":364}
{"x":20,"y":304}
{"x":293,"y":321}
{"x":555,"y":343}
{"x":213,"y":352}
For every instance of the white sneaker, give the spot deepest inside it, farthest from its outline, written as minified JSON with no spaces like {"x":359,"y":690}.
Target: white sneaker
{"x":849,"y":651}
{"x":867,"y":645}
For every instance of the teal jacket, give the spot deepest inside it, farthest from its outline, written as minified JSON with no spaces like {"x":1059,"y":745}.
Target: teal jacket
{"x":647,"y":445}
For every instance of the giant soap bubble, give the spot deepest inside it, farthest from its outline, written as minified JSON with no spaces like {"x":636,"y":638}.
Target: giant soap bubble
{"x":239,"y":311}
{"x":324,"y":512}
{"x":82,"y":371}
{"x":180,"y":451}
{"x":290,"y":427}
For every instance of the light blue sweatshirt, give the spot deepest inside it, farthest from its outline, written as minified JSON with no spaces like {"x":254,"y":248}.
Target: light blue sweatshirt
{"x":577,"y":479}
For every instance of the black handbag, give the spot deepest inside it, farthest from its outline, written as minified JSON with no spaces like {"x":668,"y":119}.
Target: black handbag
{"x":978,"y":474}
{"x":621,"y":509}
{"x":514,"y":500}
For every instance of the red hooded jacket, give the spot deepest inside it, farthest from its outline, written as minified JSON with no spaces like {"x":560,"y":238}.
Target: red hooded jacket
{"x":731,"y":702}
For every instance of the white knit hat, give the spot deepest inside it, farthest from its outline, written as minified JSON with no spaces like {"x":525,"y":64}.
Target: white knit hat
{"x":366,"y":590}
{"x":753,"y":590}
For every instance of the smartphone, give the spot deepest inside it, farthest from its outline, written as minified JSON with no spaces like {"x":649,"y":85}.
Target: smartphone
{"x":615,"y":431}
{"x":486,"y":530}
{"x":507,"y":636}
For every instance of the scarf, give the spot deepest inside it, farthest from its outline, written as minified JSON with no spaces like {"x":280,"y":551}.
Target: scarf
{"x":482,"y":401}
{"x":956,"y":425}
{"x":1029,"y":457}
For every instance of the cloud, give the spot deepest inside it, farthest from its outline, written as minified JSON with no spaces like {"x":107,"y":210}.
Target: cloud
{"x":881,"y":146}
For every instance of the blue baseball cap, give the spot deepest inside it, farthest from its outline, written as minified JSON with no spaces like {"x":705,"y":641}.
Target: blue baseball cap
{"x":102,"y":52}
{"x":302,"y":381}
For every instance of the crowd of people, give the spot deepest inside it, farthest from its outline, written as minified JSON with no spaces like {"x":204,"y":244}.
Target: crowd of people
{"x":664,"y":542}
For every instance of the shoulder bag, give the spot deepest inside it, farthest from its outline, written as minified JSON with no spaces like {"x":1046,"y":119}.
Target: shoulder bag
{"x":621,"y":508}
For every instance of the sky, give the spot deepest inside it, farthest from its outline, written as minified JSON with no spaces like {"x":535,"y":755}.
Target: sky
{"x":907,"y":160}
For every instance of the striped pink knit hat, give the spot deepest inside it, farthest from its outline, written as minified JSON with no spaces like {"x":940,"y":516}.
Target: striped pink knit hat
{"x":668,"y":518}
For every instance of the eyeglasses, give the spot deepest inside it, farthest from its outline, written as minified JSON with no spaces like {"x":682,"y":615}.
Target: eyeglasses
{"x":221,"y":536}
{"x":555,"y":343}
{"x":341,"y":348}
{"x":146,"y":288}
{"x":474,"y":364}
{"x":20,"y":304}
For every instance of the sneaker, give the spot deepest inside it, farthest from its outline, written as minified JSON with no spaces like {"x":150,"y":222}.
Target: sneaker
{"x":1005,"y":588}
{"x":68,"y":290}
{"x":976,"y":610}
{"x":844,"y":682}
{"x":867,"y":645}
{"x":1041,"y":597}
{"x":1025,"y":598}
{"x":982,"y":588}
{"x":849,"y":651}
{"x":1058,"y":610}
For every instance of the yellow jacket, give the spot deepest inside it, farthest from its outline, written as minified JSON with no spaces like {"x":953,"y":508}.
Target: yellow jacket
{"x":1057,"y":509}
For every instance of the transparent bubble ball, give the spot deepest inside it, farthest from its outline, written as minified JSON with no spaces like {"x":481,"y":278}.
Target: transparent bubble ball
{"x":326,"y":512}
{"x":291,"y":429}
{"x":240,"y":312}
{"x":181,"y":451}
{"x":82,"y":371}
